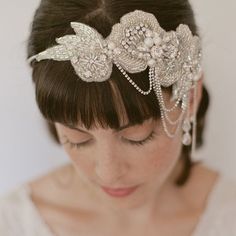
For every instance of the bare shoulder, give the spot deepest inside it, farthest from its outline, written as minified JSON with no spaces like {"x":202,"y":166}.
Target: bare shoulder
{"x":201,"y":183}
{"x":58,"y":206}
{"x":51,"y":184}
{"x":201,"y":173}
{"x":202,"y":168}
{"x":218,"y":198}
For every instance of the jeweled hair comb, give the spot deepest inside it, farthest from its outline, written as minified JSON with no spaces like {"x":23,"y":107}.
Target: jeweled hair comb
{"x":137,"y":42}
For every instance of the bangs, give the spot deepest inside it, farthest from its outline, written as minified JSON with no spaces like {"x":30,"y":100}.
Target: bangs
{"x":63,"y":97}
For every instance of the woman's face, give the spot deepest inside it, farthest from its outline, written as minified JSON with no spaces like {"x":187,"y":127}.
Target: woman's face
{"x":133,"y":155}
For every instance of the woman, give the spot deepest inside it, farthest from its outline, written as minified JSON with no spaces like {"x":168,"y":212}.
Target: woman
{"x":130,"y":170}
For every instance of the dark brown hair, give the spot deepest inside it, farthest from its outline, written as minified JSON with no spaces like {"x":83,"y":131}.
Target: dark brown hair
{"x":63,"y":97}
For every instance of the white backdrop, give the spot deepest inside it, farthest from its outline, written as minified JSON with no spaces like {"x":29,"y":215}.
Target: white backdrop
{"x":26,"y":149}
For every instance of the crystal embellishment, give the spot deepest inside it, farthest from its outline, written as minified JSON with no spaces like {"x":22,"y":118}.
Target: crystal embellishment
{"x":137,"y":42}
{"x":134,"y":44}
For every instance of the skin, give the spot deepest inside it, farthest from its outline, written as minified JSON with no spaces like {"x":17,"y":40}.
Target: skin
{"x":157,"y":207}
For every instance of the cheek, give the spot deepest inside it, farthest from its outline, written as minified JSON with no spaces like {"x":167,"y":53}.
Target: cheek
{"x":82,"y":164}
{"x":82,"y":161}
{"x":163,"y":156}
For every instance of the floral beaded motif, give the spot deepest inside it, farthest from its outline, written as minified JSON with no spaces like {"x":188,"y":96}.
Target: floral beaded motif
{"x":135,"y":43}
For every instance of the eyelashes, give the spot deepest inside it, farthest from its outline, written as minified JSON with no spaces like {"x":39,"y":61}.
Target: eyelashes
{"x":132,"y":142}
{"x":142,"y":142}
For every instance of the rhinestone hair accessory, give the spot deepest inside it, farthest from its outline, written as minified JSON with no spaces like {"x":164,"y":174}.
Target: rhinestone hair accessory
{"x":134,"y":44}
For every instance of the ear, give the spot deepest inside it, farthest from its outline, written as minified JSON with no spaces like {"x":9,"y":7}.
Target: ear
{"x":198,"y":96}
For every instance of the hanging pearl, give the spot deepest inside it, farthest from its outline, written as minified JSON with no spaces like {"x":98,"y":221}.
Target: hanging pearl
{"x":186,"y":139}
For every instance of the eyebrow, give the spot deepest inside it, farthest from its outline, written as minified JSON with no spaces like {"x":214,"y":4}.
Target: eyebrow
{"x":115,"y":130}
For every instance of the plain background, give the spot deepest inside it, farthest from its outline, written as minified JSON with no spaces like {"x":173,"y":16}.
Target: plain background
{"x":26,"y":150}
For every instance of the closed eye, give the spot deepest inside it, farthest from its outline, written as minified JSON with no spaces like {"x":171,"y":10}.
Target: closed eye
{"x":142,"y":142}
{"x":132,"y":142}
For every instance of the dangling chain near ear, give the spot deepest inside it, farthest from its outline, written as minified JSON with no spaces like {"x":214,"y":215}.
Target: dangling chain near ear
{"x":194,"y":120}
{"x":154,"y":83}
{"x":190,"y":123}
{"x":186,"y":126}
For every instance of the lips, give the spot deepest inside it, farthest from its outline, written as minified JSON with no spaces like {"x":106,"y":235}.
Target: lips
{"x":119,"y":192}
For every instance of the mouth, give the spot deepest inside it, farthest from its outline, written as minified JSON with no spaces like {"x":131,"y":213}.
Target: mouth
{"x":119,"y":192}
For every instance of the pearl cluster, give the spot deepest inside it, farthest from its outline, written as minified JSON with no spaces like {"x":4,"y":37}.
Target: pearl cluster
{"x":151,"y":41}
{"x":155,"y":47}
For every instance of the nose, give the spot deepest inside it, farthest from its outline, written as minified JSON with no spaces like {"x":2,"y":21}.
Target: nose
{"x":110,"y":168}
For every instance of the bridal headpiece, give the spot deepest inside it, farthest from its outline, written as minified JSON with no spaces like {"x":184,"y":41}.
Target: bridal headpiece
{"x":137,"y":42}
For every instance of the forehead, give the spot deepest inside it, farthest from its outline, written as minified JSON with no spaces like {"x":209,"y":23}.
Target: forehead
{"x":122,"y":127}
